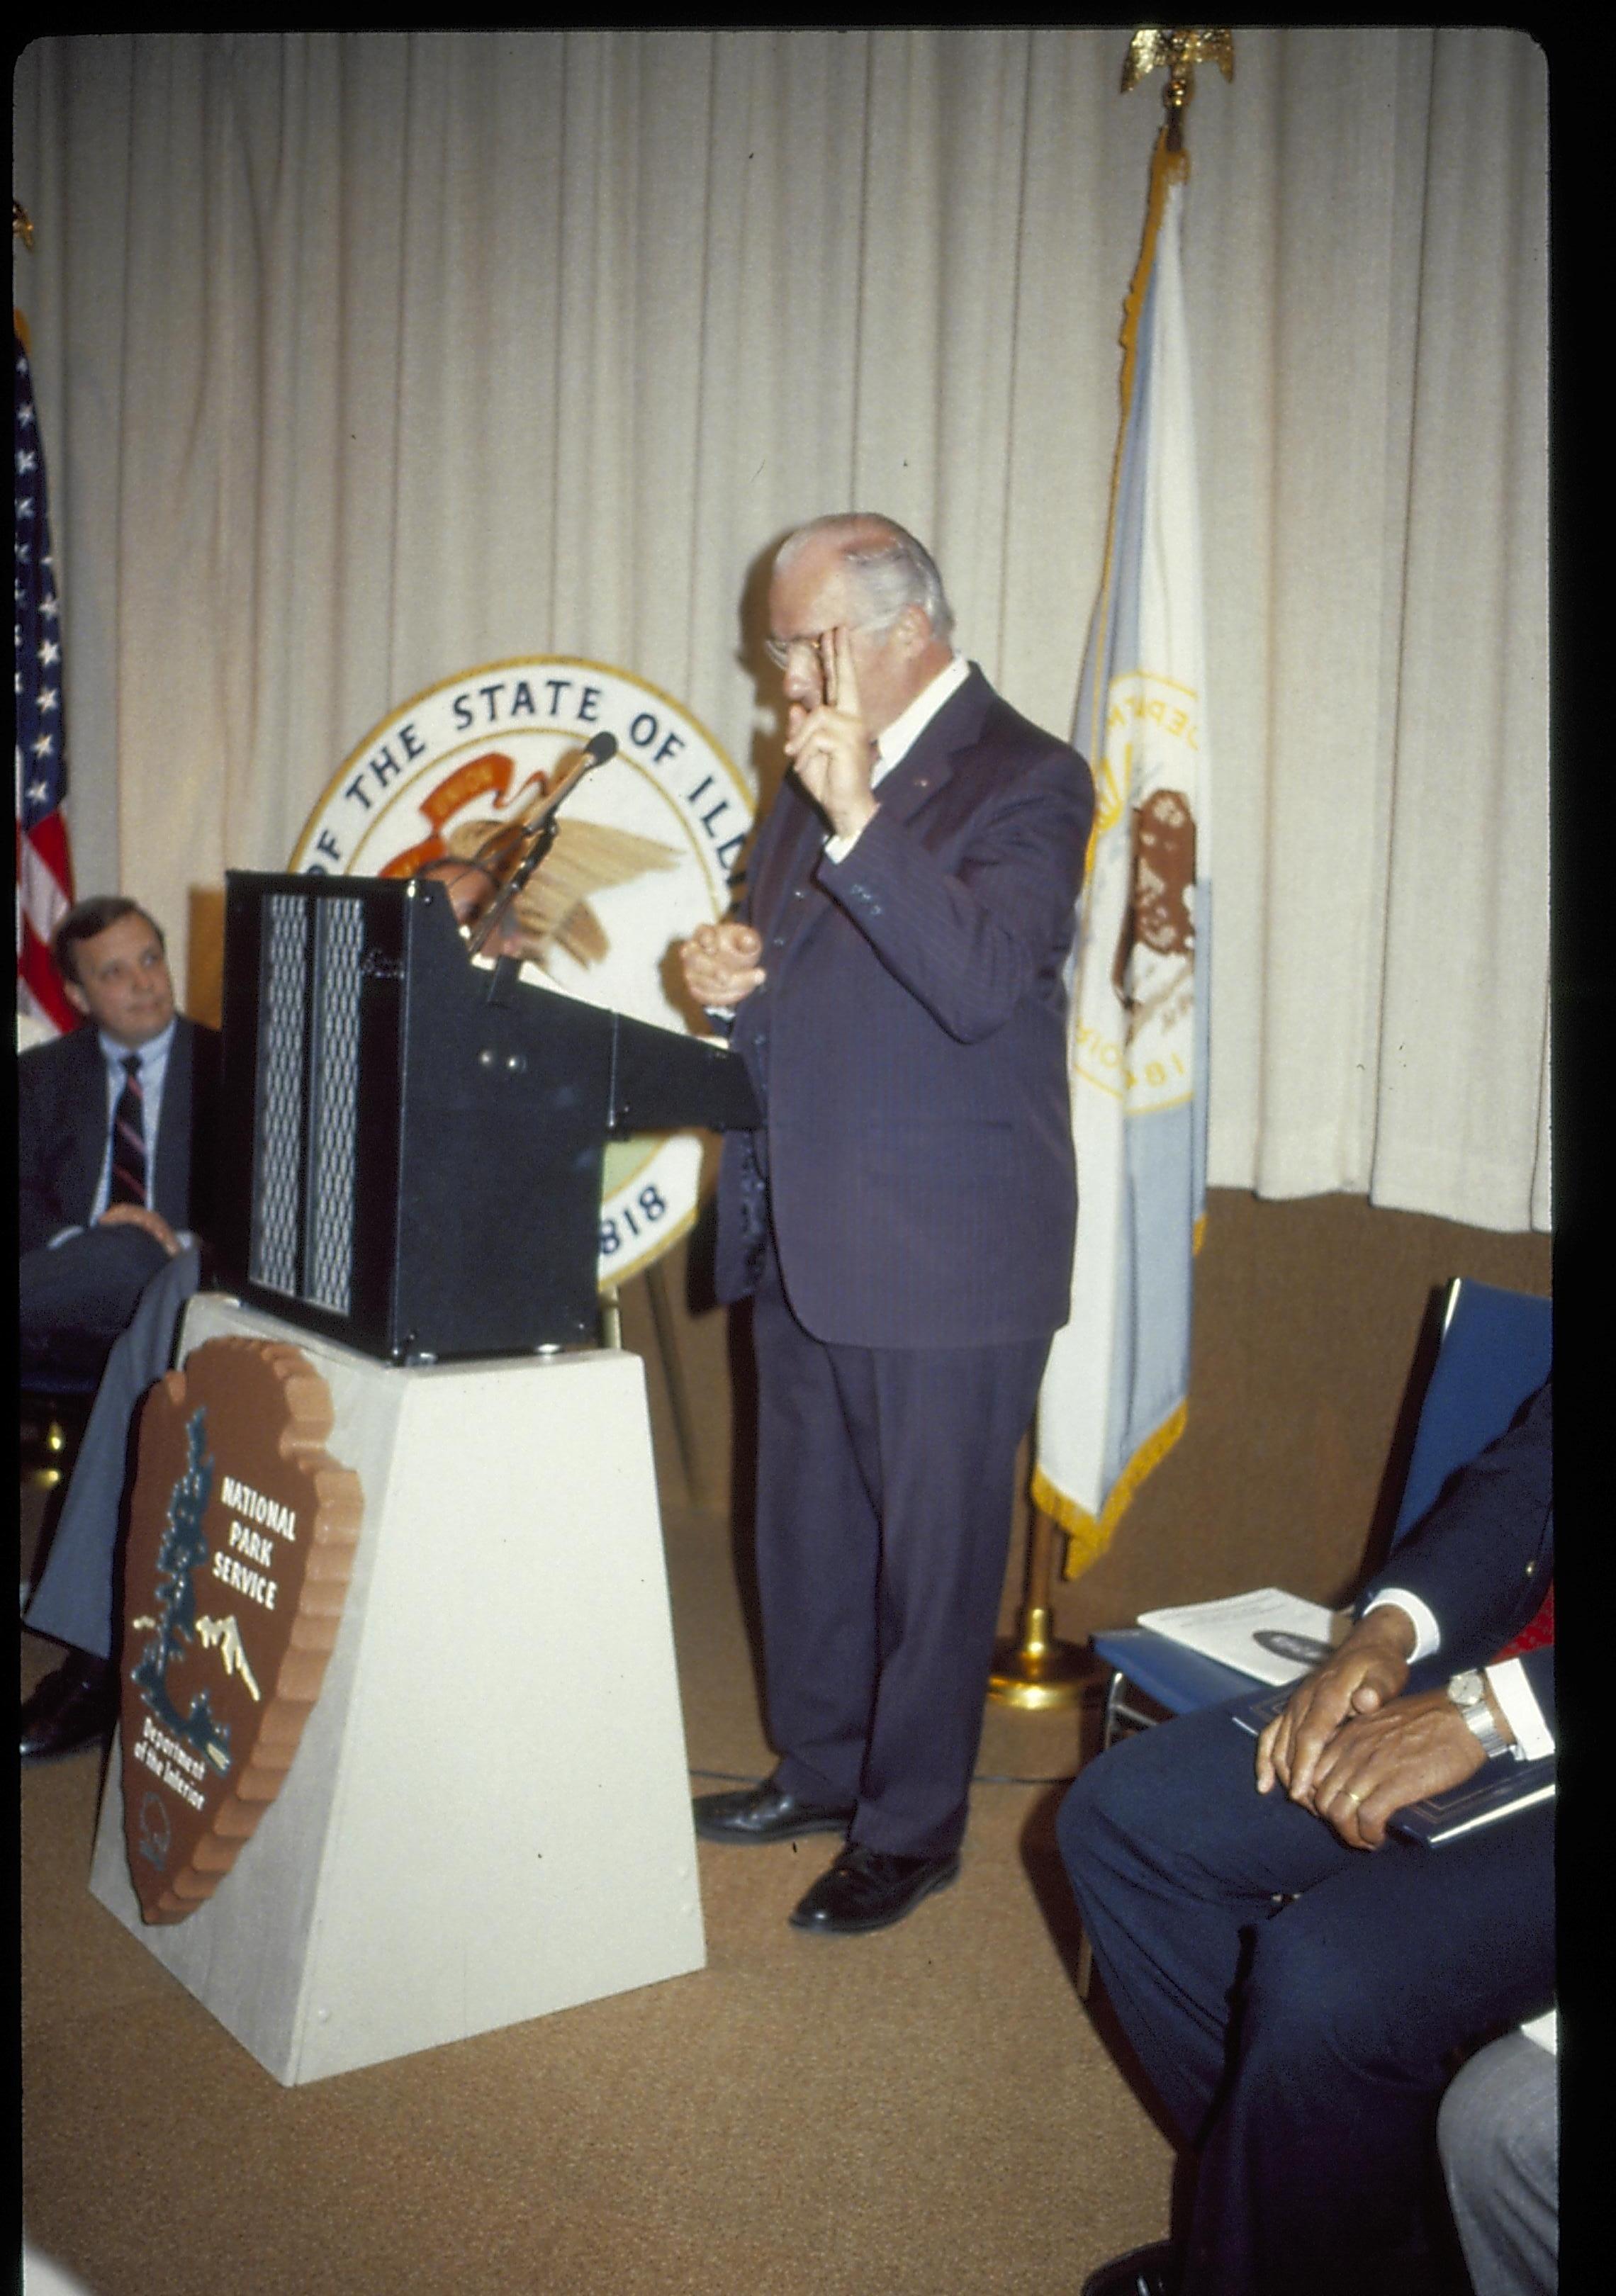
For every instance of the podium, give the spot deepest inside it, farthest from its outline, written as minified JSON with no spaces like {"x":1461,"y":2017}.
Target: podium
{"x":413,"y":1145}
{"x":486,"y":1816}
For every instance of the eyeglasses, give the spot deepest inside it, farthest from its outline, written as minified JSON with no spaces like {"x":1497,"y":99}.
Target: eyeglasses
{"x":781,"y":650}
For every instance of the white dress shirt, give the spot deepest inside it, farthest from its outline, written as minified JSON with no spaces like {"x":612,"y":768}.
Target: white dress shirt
{"x":893,"y":746}
{"x":1507,"y":1678}
{"x":153,"y":1076}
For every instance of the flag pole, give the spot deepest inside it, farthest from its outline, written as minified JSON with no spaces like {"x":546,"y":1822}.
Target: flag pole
{"x":1034,"y":1670}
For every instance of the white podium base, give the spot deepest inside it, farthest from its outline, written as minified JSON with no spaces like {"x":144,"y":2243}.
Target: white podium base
{"x":489,"y":1816}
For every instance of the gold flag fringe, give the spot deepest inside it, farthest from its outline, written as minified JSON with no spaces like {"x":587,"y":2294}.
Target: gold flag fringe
{"x":1088,"y":1536}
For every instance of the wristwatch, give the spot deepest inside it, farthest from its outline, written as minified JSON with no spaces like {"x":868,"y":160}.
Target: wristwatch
{"x":1468,"y":1693}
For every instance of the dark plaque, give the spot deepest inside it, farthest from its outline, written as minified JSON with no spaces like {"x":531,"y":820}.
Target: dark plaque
{"x":242,"y":1539}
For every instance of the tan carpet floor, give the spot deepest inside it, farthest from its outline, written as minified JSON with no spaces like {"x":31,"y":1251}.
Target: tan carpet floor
{"x":932,"y":2108}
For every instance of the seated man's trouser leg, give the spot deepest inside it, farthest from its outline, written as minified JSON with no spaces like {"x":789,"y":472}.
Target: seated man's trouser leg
{"x":74,"y":1299}
{"x":1304,"y":2045}
{"x":1498,"y":2132}
{"x":74,"y":1598}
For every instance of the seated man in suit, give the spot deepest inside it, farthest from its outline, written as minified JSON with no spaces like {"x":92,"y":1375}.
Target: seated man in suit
{"x":1296,"y":1981}
{"x":105,"y":1120}
{"x":110,"y":1192}
{"x":75,"y":1599}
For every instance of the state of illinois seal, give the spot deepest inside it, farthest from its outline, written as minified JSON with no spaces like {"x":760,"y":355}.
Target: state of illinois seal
{"x":647,"y":847}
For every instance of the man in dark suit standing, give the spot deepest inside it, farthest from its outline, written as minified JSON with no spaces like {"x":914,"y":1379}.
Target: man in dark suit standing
{"x":112,"y":1187}
{"x":904,"y":1219}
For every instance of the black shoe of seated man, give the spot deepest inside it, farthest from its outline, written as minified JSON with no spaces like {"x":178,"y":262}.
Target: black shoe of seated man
{"x":1153,"y":2271}
{"x":869,"y":1890}
{"x":73,"y":1708}
{"x":766,"y":1813}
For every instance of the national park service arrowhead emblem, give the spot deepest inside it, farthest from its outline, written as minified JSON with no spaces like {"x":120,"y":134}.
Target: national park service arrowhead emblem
{"x":242,"y":1539}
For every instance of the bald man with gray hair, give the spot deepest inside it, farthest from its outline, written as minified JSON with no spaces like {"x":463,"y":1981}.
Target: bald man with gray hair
{"x":892,"y":569}
{"x":902,"y":1221}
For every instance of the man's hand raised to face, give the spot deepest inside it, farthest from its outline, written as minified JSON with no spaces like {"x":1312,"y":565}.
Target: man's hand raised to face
{"x":830,"y":745}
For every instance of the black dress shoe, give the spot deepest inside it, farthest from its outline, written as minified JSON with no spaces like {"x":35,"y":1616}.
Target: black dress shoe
{"x":867,"y":1888}
{"x":77,"y":1706}
{"x":1153,"y":2271}
{"x":766,"y":1813}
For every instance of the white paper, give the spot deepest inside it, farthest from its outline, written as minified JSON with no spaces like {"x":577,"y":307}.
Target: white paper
{"x":1269,"y":1634}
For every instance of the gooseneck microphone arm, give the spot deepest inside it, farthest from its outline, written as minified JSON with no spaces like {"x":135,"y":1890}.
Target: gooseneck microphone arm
{"x":537,"y":835}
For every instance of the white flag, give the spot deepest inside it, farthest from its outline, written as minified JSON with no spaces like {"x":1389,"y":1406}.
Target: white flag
{"x":1114,"y":1394}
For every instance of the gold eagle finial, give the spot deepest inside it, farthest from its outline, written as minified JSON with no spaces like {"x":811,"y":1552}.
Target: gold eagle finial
{"x":1177,"y":51}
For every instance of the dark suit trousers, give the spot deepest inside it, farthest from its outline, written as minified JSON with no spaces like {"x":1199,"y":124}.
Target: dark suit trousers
{"x":74,"y":1298}
{"x":76,"y":1593}
{"x":1304,"y":2045}
{"x":885,"y":1488}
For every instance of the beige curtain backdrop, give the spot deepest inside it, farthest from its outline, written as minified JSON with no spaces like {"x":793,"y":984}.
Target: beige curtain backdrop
{"x":362,"y":358}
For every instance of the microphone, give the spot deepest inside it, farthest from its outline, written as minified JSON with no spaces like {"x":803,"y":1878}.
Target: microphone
{"x":539,"y":832}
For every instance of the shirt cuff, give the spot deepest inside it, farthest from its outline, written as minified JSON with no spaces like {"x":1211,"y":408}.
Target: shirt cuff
{"x":1427,"y":1634}
{"x":1509,"y":1685}
{"x":837,"y":849}
{"x":1545,"y":2030}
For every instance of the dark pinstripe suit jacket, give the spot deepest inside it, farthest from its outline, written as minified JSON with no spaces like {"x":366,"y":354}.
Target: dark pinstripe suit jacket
{"x":909,"y":1045}
{"x":62,"y":1131}
{"x":1482,"y":1559}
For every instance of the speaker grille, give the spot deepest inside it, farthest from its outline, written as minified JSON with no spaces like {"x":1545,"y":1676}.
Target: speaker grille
{"x":278,"y":1165}
{"x":333,"y":1071}
{"x":305,"y":1170}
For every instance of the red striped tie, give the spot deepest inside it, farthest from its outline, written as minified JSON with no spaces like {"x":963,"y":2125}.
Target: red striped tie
{"x":129,"y":1139}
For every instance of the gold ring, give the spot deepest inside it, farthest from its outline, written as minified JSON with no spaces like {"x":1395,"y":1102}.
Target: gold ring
{"x":1353,"y":1798}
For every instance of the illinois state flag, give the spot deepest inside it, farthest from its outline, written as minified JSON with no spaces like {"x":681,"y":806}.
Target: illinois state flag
{"x":1114,"y":1397}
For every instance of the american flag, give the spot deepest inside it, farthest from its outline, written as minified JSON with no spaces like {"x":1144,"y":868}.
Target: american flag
{"x":45,"y":861}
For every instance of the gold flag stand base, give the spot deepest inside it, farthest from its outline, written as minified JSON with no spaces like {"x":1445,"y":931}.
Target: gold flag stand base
{"x":1032,"y":1670}
{"x":50,"y":1430}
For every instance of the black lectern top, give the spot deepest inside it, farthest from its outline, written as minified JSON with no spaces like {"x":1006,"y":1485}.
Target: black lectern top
{"x":413,"y":1144}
